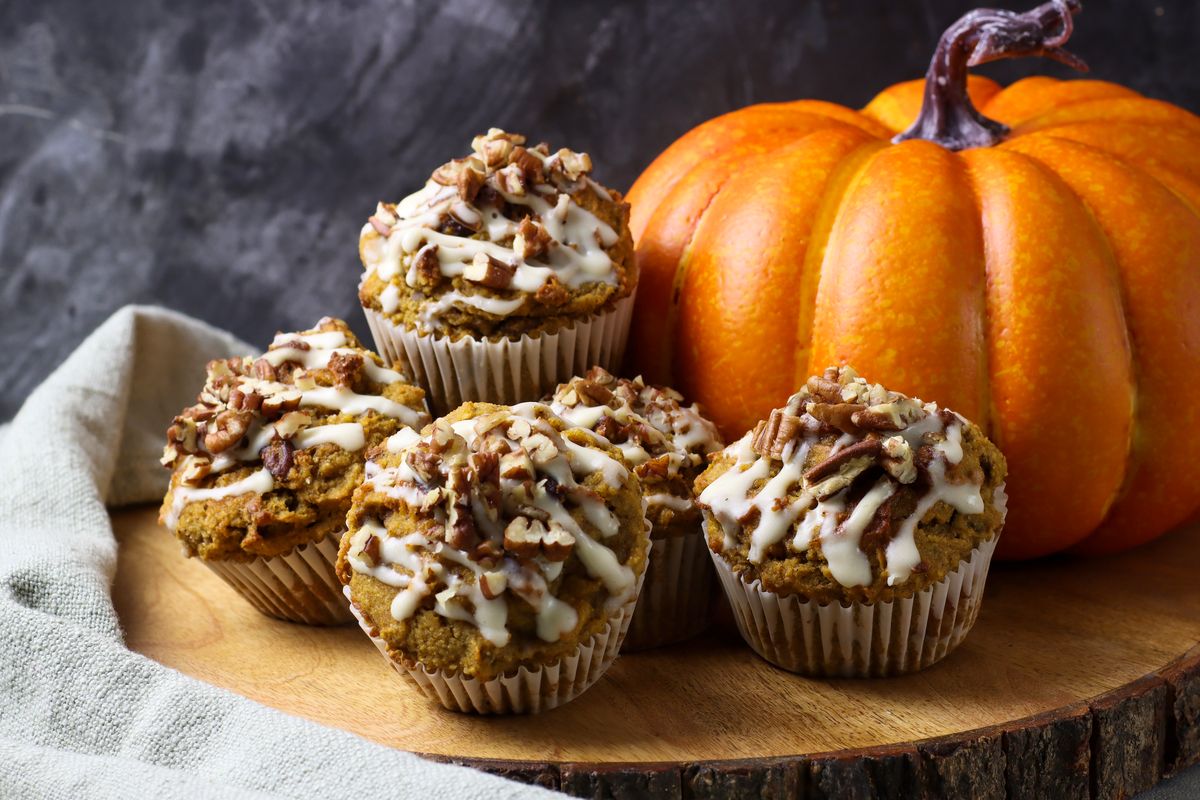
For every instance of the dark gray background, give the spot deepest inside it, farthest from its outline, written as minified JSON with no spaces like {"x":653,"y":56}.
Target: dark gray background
{"x":220,"y":157}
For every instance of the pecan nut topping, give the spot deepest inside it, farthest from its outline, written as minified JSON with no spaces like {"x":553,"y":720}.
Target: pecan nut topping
{"x":226,"y":430}
{"x":490,"y":272}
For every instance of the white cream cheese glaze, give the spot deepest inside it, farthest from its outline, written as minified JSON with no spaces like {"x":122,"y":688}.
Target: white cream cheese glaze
{"x":539,"y":479}
{"x":748,"y":492}
{"x":298,"y":429}
{"x":576,"y":245}
{"x":645,"y":423}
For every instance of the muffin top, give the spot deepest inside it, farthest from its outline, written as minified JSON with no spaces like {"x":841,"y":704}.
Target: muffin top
{"x":664,"y":441}
{"x":495,"y":538}
{"x":853,"y":492}
{"x":269,"y":456}
{"x":505,"y":241}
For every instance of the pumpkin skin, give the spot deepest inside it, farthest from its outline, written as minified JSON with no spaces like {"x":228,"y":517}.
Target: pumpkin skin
{"x":1047,"y":288}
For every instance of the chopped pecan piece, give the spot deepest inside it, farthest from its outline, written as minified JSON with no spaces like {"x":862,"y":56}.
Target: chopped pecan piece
{"x":489,"y":272}
{"x":839,"y":470}
{"x":425,"y":463}
{"x":541,"y":448}
{"x":837,"y":415}
{"x":291,"y":422}
{"x":447,"y":174}
{"x":557,"y":543}
{"x":370,"y":551}
{"x":656,"y":468}
{"x":593,"y":393}
{"x":569,"y":398}
{"x":226,"y":430}
{"x":196,"y":469}
{"x":346,"y":367}
{"x":867,"y":448}
{"x":523,"y":537}
{"x":427,"y":265}
{"x":516,"y":466}
{"x":571,"y":164}
{"x":531,"y":240}
{"x":610,"y":429}
{"x":893,"y":416}
{"x":263,"y":370}
{"x":280,"y":403}
{"x":824,"y":388}
{"x":898,"y":459}
{"x":461,"y":533}
{"x":243,"y":400}
{"x":492,"y":584}
{"x":511,"y":180}
{"x":468,"y":184}
{"x":605,"y":378}
{"x":494,"y":150}
{"x":773,"y":434}
{"x":198,"y":413}
{"x":519,"y":428}
{"x":529,"y":164}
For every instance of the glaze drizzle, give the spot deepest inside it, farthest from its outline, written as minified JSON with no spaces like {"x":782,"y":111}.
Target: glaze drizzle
{"x":495,"y":494}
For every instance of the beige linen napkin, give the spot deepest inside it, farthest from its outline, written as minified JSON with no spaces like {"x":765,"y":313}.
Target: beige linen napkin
{"x":80,"y":714}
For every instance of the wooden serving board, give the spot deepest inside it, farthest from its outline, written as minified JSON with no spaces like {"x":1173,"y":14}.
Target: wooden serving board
{"x":1081,"y":679}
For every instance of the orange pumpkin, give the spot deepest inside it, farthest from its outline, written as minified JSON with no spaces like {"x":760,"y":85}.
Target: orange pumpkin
{"x":1034,"y":265}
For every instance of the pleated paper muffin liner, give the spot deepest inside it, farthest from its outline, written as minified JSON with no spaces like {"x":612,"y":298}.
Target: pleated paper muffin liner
{"x":300,"y":586}
{"x":864,"y":639}
{"x":675,"y":600}
{"x":528,"y":690}
{"x":505,"y":371}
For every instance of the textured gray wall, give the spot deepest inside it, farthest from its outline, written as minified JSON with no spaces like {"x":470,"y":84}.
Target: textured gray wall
{"x":219,"y":157}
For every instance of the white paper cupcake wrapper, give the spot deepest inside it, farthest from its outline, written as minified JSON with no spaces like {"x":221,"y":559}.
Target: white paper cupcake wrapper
{"x":862,"y":640}
{"x":300,"y":586}
{"x":676,"y":597}
{"x":507,"y":371}
{"x":529,"y":690}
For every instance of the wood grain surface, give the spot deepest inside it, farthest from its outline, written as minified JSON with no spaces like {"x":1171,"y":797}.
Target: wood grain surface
{"x":1080,"y":679}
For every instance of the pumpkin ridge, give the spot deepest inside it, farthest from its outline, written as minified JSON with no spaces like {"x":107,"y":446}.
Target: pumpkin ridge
{"x":841,"y":181}
{"x":1151,"y":132}
{"x":1140,"y":110}
{"x":1103,"y":539}
{"x":662,"y":175}
{"x":666,"y":373}
{"x":1024,"y":414}
{"x":1030,"y":97}
{"x":1183,"y":187}
{"x":1123,"y":294}
{"x":681,"y":268}
{"x":985,"y":356}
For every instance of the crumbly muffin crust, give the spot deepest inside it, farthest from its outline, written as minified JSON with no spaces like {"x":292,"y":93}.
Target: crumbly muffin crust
{"x":270,"y":455}
{"x":497,"y":538}
{"x":852,"y":493}
{"x":507,"y":241}
{"x":665,"y":442}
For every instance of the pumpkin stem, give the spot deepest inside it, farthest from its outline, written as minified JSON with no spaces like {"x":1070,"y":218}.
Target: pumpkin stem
{"x":986,"y":34}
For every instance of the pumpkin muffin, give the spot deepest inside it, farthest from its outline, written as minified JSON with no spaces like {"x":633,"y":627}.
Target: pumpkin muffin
{"x":844,"y":514}
{"x":508,"y":266}
{"x":666,"y":444}
{"x":266,"y":462}
{"x":496,"y":558}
